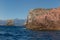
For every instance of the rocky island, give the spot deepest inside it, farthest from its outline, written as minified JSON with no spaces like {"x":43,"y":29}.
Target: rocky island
{"x":43,"y":19}
{"x":12,"y":22}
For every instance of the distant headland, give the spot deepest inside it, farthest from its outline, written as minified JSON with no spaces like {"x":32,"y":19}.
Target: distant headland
{"x":12,"y":22}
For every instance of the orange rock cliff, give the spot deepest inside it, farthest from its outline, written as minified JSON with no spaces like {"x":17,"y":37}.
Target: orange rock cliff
{"x":44,"y":19}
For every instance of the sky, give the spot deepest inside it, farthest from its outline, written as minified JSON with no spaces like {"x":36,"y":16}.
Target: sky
{"x":11,"y":9}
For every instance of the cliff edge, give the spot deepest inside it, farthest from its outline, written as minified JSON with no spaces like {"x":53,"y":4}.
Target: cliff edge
{"x":44,"y":19}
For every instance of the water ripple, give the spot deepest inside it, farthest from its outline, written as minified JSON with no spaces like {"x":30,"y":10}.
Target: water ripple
{"x":21,"y":33}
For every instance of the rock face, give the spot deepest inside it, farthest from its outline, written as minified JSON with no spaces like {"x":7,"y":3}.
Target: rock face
{"x":44,"y":19}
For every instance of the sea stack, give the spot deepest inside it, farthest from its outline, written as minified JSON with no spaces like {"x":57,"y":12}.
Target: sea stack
{"x":9,"y":23}
{"x":44,"y":19}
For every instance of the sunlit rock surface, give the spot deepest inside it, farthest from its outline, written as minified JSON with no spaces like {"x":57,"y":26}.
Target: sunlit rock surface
{"x":44,"y":19}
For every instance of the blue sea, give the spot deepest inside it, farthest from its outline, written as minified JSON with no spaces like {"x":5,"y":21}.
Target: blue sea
{"x":21,"y":33}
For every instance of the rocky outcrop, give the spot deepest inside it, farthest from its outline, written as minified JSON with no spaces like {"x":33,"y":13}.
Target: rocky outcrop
{"x":44,"y":19}
{"x":9,"y":23}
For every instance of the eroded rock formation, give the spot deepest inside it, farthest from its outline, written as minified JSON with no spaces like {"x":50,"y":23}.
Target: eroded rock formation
{"x":10,"y":23}
{"x":44,"y":19}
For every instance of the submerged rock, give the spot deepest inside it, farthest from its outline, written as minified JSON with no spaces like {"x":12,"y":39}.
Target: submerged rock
{"x":44,"y":19}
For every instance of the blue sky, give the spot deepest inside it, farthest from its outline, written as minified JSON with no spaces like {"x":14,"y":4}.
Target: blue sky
{"x":11,"y":9}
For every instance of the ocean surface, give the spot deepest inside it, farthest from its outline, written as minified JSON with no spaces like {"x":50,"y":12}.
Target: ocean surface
{"x":21,"y":33}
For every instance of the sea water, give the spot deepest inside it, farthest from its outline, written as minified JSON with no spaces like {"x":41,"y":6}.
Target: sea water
{"x":21,"y":33}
